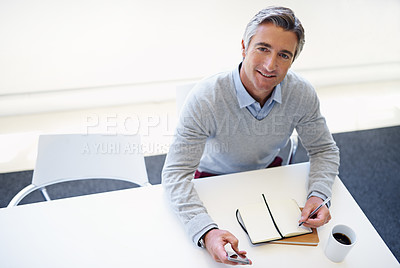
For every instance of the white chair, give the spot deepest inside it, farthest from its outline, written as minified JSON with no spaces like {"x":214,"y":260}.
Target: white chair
{"x":293,"y":143}
{"x":71,"y":157}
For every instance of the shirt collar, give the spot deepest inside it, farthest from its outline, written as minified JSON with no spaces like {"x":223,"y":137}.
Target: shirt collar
{"x":244,"y":98}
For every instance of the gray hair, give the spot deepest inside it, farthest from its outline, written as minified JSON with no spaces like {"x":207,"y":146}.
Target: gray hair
{"x":281,"y":17}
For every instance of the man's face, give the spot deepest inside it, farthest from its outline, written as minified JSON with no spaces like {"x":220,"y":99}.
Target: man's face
{"x":267,"y":59}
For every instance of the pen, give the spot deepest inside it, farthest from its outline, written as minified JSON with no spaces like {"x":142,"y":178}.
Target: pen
{"x":315,"y":210}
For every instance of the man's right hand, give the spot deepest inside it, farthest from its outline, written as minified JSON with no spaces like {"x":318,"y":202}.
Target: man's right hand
{"x":215,"y":241}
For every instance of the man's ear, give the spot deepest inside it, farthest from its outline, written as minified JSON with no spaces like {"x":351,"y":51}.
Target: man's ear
{"x":243,"y":49}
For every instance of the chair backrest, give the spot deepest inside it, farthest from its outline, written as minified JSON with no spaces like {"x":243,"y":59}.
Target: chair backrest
{"x":292,"y":145}
{"x":70,"y":157}
{"x":181,"y":93}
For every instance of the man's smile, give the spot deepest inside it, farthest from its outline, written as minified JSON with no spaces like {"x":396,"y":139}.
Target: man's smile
{"x":266,"y":75}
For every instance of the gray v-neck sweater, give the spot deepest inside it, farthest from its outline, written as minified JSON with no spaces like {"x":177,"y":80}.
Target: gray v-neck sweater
{"x":215,"y":135}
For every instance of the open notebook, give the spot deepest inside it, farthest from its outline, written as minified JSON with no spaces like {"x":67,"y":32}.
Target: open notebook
{"x":275,"y":220}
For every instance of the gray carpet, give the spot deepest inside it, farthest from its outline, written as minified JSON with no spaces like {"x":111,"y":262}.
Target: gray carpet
{"x":370,"y":169}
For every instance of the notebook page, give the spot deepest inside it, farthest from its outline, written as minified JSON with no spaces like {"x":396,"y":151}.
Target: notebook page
{"x":258,"y":222}
{"x":286,"y":214}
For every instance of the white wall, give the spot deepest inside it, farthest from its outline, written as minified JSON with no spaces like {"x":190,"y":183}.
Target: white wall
{"x":65,"y":54}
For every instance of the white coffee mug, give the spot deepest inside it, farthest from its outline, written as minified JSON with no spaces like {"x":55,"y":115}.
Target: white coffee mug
{"x":341,"y":240}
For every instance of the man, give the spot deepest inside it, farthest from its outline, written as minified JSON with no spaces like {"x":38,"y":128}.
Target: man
{"x":239,"y":120}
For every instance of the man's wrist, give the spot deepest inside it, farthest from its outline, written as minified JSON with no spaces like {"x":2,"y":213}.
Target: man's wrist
{"x":320,"y":195}
{"x":201,"y":240}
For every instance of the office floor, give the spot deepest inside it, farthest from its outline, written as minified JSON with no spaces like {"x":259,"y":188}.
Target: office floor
{"x":346,"y":108}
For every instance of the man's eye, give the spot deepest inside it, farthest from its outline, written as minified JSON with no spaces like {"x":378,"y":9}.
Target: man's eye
{"x":285,"y":56}
{"x":263,"y":49}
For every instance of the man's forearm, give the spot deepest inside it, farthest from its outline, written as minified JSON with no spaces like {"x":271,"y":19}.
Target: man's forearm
{"x":324,"y":168}
{"x":180,"y":165}
{"x":186,"y":203}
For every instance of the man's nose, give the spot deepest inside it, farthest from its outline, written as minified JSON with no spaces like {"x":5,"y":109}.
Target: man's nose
{"x":270,"y":63}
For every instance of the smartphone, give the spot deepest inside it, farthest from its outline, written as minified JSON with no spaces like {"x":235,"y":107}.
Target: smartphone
{"x":232,"y":256}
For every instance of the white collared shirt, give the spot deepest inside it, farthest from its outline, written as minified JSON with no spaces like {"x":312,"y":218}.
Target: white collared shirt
{"x":254,"y":107}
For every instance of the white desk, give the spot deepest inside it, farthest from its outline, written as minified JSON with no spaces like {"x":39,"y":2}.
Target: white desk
{"x":136,"y":227}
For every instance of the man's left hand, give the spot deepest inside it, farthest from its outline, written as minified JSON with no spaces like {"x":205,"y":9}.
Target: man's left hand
{"x":321,"y":217}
